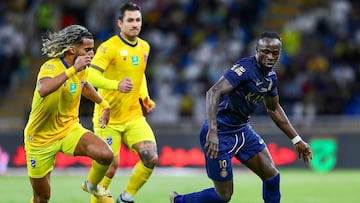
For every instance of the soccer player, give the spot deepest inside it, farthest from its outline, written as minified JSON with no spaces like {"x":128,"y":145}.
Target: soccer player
{"x":227,"y":132}
{"x":118,"y":71}
{"x":53,"y":124}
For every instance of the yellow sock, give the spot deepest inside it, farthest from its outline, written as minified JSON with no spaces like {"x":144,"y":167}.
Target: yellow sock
{"x":96,"y":173}
{"x":138,"y":177}
{"x":32,"y":200}
{"x":106,"y":182}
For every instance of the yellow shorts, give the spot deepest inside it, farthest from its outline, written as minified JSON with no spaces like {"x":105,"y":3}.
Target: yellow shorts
{"x":41,"y":160}
{"x":132,"y":132}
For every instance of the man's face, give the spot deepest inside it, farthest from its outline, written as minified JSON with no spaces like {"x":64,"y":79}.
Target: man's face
{"x":268,"y":52}
{"x":130,"y":25}
{"x":86,"y":48}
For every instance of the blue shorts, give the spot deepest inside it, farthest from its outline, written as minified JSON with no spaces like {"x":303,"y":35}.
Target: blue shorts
{"x":243,"y":143}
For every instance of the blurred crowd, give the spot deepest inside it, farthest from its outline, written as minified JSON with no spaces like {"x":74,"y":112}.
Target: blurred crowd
{"x":193,"y":42}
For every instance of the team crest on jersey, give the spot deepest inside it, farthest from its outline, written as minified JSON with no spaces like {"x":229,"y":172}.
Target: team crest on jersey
{"x":135,"y":60}
{"x":123,"y":54}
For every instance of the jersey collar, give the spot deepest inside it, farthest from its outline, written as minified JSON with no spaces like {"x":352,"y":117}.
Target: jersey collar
{"x":127,"y":42}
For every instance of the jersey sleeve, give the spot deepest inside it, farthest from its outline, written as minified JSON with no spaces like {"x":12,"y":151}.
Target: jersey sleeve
{"x":48,"y":70}
{"x":97,"y":79}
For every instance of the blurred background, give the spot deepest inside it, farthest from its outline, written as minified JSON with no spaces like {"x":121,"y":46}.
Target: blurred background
{"x":192,"y":43}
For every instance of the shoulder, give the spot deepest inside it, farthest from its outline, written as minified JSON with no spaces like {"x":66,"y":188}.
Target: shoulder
{"x":144,"y":43}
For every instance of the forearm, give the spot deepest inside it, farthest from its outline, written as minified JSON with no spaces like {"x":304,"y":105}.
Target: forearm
{"x":282,"y":122}
{"x":90,"y":93}
{"x":97,"y":79}
{"x":49,"y":85}
{"x":212,"y":103}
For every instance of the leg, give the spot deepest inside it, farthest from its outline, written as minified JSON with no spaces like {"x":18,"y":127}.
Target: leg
{"x":140,"y":138}
{"x":41,"y":189}
{"x":147,"y":151}
{"x":112,"y":136}
{"x":263,"y":166}
{"x":94,"y":147}
{"x":219,"y":170}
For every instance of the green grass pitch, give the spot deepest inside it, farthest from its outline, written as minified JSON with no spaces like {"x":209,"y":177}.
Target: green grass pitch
{"x":297,"y":186}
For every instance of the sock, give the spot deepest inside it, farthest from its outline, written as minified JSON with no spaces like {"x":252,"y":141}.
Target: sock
{"x":138,"y":177}
{"x":271,"y":190}
{"x":106,"y":182}
{"x":205,"y":196}
{"x":32,"y":200}
{"x":96,"y":173}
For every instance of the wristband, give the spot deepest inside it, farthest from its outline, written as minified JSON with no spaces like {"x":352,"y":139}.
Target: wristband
{"x":70,"y":72}
{"x":104,"y":104}
{"x":296,"y":139}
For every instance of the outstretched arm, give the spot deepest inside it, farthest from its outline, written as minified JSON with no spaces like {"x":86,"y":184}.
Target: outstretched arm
{"x":279,"y":117}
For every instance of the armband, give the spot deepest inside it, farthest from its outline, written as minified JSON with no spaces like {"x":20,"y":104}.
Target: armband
{"x":104,"y":104}
{"x":296,"y":139}
{"x":70,"y":72}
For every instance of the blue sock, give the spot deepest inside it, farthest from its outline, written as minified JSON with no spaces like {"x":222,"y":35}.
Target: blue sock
{"x":271,"y":190}
{"x":205,"y":196}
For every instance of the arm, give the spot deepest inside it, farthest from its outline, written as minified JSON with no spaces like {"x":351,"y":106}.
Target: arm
{"x":48,"y":85}
{"x":279,"y":117}
{"x":221,"y":87}
{"x":97,"y":79}
{"x":90,"y":93}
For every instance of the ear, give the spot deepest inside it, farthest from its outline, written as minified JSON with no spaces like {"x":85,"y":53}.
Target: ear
{"x":72,"y":50}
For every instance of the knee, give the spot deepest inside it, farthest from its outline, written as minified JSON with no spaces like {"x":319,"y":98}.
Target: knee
{"x":149,"y":158}
{"x":107,"y":157}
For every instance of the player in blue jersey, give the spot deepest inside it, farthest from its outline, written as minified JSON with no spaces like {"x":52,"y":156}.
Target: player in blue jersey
{"x":227,"y":132}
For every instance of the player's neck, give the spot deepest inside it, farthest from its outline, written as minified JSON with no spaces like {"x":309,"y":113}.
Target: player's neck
{"x":131,"y":40}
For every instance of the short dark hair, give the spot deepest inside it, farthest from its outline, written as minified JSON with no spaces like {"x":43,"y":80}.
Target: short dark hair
{"x":269,"y":34}
{"x":128,"y":6}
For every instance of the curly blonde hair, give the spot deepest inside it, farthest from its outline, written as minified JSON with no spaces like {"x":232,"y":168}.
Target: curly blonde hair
{"x":55,"y":44}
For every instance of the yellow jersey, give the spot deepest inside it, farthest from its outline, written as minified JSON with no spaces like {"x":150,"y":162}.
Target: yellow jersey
{"x":52,"y":116}
{"x":118,"y":59}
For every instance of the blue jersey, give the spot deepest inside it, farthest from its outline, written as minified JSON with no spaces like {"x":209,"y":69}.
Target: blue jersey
{"x":250,"y":87}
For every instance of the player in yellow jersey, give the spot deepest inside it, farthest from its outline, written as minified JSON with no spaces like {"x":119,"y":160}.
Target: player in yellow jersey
{"x":53,"y":124}
{"x":118,"y":71}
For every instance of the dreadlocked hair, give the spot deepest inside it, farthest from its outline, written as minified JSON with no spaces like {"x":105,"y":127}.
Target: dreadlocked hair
{"x":55,"y":44}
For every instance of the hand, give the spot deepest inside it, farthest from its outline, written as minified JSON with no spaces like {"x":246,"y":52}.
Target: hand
{"x":212,"y":144}
{"x":125,"y":85}
{"x":304,"y":151}
{"x":147,"y":105}
{"x":105,"y":117}
{"x":81,"y":62}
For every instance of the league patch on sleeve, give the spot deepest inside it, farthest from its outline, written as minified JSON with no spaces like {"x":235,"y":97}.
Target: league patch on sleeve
{"x":238,"y":69}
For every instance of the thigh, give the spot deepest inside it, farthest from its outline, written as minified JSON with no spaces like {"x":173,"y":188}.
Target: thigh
{"x":138,"y":131}
{"x":251,"y":144}
{"x":41,"y":186}
{"x":40,"y":160}
{"x":112,"y":136}
{"x":71,"y":140}
{"x":262,"y":164}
